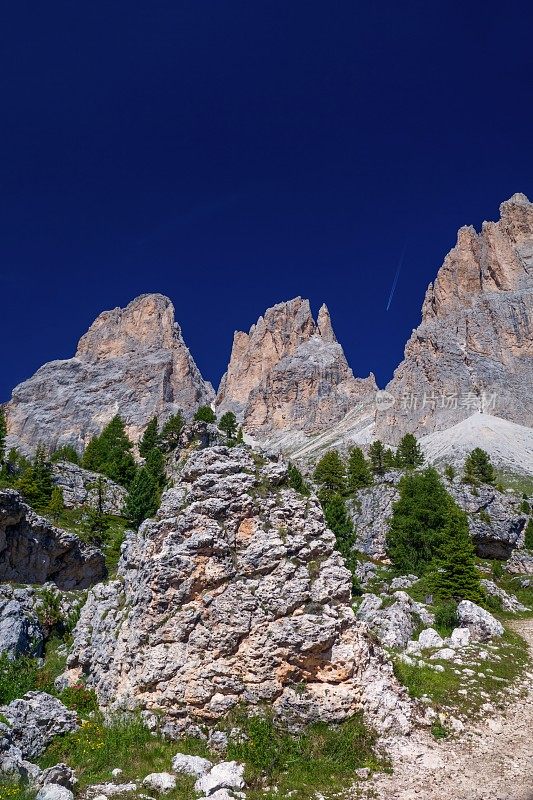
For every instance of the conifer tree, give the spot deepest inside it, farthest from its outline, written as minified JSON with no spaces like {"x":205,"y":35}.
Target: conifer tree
{"x":359,"y":474}
{"x":330,"y":474}
{"x":228,"y":424}
{"x":528,"y":537}
{"x":155,"y":465}
{"x":205,"y":414}
{"x":455,"y":574}
{"x":418,"y":522}
{"x":409,"y":454}
{"x":65,"y":453}
{"x":143,"y":497}
{"x":449,"y":473}
{"x":110,"y":453}
{"x":171,"y":431}
{"x":150,"y":438}
{"x":56,"y":506}
{"x":478,"y":468}
{"x":389,"y":460}
{"x":240,"y":436}
{"x":35,"y":483}
{"x":296,"y":480}
{"x":3,"y":434}
{"x":339,"y":522}
{"x":376,"y":454}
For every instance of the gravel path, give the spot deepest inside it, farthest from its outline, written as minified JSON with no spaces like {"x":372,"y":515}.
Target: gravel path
{"x":493,"y":760}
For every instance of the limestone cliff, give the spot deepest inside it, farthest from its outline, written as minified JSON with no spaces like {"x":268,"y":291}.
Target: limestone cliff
{"x":132,"y":361}
{"x":289,"y":374}
{"x":473,"y":350}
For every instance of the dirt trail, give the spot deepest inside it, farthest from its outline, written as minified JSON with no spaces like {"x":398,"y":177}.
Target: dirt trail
{"x":493,"y":760}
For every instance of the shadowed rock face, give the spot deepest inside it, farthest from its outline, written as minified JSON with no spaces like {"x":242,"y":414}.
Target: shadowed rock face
{"x":473,"y":350}
{"x":233,"y":594}
{"x":289,"y":373}
{"x":132,"y":361}
{"x":32,"y":550}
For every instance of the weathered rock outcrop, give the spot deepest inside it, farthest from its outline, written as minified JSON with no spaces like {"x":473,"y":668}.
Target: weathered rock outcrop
{"x":32,"y":550}
{"x":35,"y":719}
{"x":20,"y":630}
{"x":474,"y":347}
{"x":234,"y":594}
{"x":80,"y":487}
{"x":132,"y":361}
{"x":288,"y":374}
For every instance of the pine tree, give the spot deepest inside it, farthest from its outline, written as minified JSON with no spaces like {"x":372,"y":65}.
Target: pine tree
{"x":110,"y":453}
{"x":155,"y":465}
{"x":228,"y":424}
{"x":339,"y":522}
{"x":330,"y":474}
{"x":389,"y":460}
{"x":528,"y":538}
{"x":359,"y":474}
{"x":150,"y":438}
{"x":455,"y":576}
{"x":418,"y":522}
{"x":35,"y":483}
{"x":409,"y":453}
{"x":65,"y":453}
{"x":296,"y":481}
{"x":376,"y":454}
{"x":171,"y":432}
{"x":478,"y":468}
{"x":3,"y":434}
{"x":56,"y":506}
{"x":449,"y":472}
{"x":205,"y":414}
{"x":143,"y":497}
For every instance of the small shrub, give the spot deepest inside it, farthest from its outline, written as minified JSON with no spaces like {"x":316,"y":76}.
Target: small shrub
{"x":484,"y":516}
{"x":439,"y":731}
{"x":446,"y":618}
{"x":497,"y":570}
{"x":80,"y":699}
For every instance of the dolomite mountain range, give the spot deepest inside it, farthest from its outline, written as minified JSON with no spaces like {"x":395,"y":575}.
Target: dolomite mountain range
{"x":466,"y":377}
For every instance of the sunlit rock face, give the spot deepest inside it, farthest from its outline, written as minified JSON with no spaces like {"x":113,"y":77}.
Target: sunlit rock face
{"x":132,"y":361}
{"x":289,"y":374}
{"x":473,"y":350}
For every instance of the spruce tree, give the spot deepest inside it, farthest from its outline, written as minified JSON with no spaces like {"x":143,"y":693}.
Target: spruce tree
{"x":155,"y":465}
{"x":3,"y":434}
{"x":330,"y":474}
{"x":389,"y":460}
{"x":65,"y":453}
{"x":409,"y":454}
{"x":376,"y":454}
{"x":455,"y":576}
{"x":171,"y":432}
{"x":339,"y":522}
{"x":228,"y":424}
{"x":449,"y":472}
{"x":359,"y":474}
{"x":150,"y":438}
{"x":35,"y":483}
{"x":110,"y":453}
{"x":296,"y":480}
{"x":418,"y":522}
{"x":528,"y":536}
{"x":205,"y":414}
{"x":143,"y":497}
{"x":478,"y":468}
{"x":56,"y":506}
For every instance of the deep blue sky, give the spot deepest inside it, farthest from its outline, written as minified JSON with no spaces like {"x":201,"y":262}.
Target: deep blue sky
{"x":234,"y":154}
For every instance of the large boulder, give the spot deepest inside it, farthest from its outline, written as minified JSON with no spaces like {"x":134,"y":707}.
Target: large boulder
{"x":80,"y":487}
{"x":233,"y":594}
{"x":21,"y":633}
{"x":480,"y":623}
{"x":32,"y":550}
{"x":35,"y":719}
{"x":393,"y":623}
{"x":520,"y":563}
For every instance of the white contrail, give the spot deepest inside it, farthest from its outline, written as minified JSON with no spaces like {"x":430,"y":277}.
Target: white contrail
{"x":397,"y":275}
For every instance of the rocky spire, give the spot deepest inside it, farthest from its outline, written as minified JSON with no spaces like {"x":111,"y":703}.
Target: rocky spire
{"x":289,"y":373}
{"x":132,"y":361}
{"x":474,"y":347}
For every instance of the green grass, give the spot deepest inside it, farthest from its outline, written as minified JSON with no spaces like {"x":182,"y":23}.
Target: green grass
{"x":13,"y":790}
{"x":443,"y":688}
{"x":321,"y":759}
{"x":522,"y":484}
{"x":96,"y":748}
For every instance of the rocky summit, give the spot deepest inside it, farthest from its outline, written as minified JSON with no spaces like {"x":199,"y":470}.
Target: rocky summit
{"x":132,"y":361}
{"x":233,"y":594}
{"x":288,"y":376}
{"x":473,"y":350}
